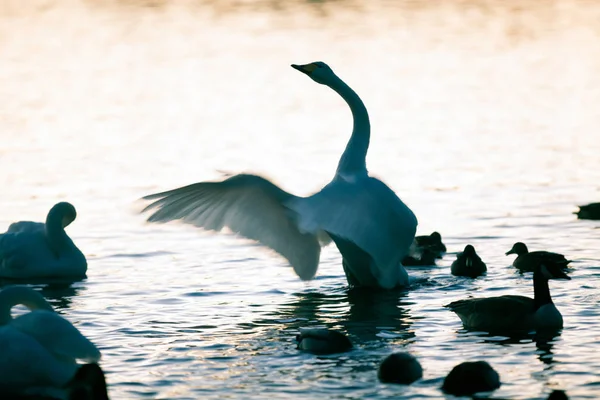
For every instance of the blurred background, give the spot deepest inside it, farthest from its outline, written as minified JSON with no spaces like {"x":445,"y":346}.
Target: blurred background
{"x":485,"y":121}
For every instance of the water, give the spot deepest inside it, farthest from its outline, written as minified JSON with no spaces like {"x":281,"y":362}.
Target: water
{"x":485,"y":122}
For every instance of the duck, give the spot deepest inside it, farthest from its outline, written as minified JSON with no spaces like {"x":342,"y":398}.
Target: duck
{"x":432,"y":242}
{"x":558,"y":395}
{"x":371,"y":227}
{"x":322,"y":341}
{"x":89,"y":383}
{"x":468,"y":263}
{"x":40,"y":348}
{"x":35,"y":250}
{"x":426,"y":257}
{"x":515,"y":313}
{"x":589,"y":211}
{"x":400,"y":368}
{"x":526,"y":260}
{"x":471,"y":377}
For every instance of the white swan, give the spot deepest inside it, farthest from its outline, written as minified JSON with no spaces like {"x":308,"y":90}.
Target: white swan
{"x":42,"y":250}
{"x":372,"y":228}
{"x":39,"y":348}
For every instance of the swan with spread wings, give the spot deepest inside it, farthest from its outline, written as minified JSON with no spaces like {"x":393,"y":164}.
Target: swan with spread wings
{"x":372,"y":228}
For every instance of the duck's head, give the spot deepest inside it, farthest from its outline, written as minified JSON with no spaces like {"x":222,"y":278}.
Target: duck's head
{"x":436,"y":236}
{"x":469,"y":250}
{"x":550,"y":270}
{"x":318,"y":71}
{"x":518,"y":248}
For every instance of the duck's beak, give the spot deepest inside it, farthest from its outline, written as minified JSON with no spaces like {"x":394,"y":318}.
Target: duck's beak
{"x":511,"y":251}
{"x":560,"y":275}
{"x":306,"y":68}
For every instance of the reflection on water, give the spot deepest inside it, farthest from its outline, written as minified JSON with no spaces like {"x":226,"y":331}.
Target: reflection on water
{"x":59,"y":295}
{"x":483,"y":122}
{"x":365,"y":315}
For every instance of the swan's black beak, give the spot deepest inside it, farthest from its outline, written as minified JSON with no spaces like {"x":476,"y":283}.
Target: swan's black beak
{"x":306,"y":68}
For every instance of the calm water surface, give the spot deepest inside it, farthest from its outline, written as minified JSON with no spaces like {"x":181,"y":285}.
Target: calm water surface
{"x":485,"y":122}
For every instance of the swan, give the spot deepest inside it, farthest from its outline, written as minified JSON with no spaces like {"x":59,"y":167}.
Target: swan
{"x":468,"y":378}
{"x":322,"y":341}
{"x":33,"y":250}
{"x":401,"y":368}
{"x":468,"y":263}
{"x":371,"y":227}
{"x":39,"y":348}
{"x":514,"y":313}
{"x":527,"y":261}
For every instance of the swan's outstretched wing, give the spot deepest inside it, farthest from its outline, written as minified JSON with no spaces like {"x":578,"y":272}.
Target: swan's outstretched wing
{"x":246,"y":204}
{"x":57,"y":335}
{"x":368,"y":214}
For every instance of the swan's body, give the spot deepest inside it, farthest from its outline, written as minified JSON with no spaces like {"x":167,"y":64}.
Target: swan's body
{"x":527,"y":260}
{"x":39,"y":348}
{"x":514,"y":313}
{"x":371,"y":226}
{"x":468,"y":263}
{"x":35,"y":250}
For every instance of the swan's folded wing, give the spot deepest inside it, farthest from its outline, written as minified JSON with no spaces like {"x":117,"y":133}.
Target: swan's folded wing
{"x":26,"y":226}
{"x":57,"y":335}
{"x":246,"y":204}
{"x":25,"y":363}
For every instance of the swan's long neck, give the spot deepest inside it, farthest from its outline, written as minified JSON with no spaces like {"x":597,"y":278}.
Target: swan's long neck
{"x":353,"y":161}
{"x":55,"y":232}
{"x":541,"y":291}
{"x":15,"y":295}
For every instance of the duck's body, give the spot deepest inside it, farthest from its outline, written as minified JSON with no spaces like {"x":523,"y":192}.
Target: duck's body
{"x":322,"y":341}
{"x":432,"y":242}
{"x":514,"y":313}
{"x":425,"y":258}
{"x":400,"y":368}
{"x":40,"y":349}
{"x":469,"y":378}
{"x":34,"y":250}
{"x":589,"y":211}
{"x":372,"y":228}
{"x":468,"y":263}
{"x":527,"y":261}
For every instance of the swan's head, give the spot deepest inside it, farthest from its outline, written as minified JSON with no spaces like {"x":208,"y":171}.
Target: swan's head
{"x":318,"y":71}
{"x":63,"y":211}
{"x":518,"y":249}
{"x":11,"y":296}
